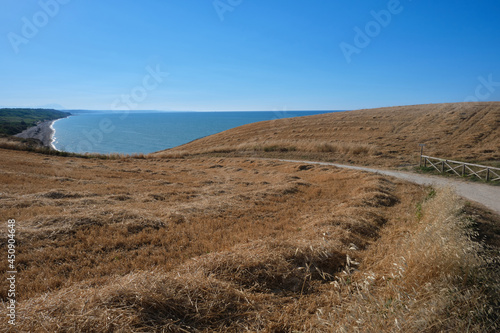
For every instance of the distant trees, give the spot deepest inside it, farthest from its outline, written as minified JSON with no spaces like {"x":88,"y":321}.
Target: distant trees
{"x":14,"y":121}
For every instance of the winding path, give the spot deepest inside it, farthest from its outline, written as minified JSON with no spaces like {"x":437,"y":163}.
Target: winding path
{"x":486,"y":195}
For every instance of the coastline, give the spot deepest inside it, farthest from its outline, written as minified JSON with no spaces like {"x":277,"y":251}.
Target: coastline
{"x":43,"y":132}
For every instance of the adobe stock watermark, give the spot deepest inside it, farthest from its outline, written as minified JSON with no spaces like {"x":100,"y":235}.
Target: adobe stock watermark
{"x":372,"y":29}
{"x":224,"y":6}
{"x":484,"y":89}
{"x":11,"y":271}
{"x":153,"y":78}
{"x":280,"y":113}
{"x":31,"y":25}
{"x":139,"y":93}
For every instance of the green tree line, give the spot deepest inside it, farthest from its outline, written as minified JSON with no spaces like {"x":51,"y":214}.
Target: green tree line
{"x":14,"y":121}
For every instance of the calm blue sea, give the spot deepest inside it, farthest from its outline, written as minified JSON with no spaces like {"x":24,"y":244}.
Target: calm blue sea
{"x":146,"y":132}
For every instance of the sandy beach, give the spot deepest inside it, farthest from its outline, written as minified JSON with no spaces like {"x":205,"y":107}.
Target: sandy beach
{"x":42,"y":132}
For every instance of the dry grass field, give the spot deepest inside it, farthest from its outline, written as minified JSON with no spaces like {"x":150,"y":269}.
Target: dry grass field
{"x":210,"y":244}
{"x":240,"y":244}
{"x":383,"y":137}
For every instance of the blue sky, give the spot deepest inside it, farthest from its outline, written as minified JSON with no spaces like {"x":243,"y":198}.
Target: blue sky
{"x":247,"y":54}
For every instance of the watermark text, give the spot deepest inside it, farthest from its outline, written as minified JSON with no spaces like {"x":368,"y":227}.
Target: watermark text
{"x":224,"y":6}
{"x":31,"y":26}
{"x":11,"y":273}
{"x":484,"y":89}
{"x":373,"y":28}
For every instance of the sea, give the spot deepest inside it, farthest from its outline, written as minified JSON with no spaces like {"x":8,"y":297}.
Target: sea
{"x":137,"y":132}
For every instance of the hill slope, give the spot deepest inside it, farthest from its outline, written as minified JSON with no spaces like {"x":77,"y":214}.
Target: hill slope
{"x":234,"y":245}
{"x":209,"y":244}
{"x":385,"y":136}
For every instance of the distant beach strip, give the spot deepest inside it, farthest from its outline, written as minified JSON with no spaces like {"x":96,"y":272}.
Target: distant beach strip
{"x":53,"y":135}
{"x":43,"y":132}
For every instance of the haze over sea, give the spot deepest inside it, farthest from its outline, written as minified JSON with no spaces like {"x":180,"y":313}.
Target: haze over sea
{"x":145,"y":132}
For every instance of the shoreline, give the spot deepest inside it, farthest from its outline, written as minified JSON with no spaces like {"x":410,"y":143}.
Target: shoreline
{"x":43,"y":132}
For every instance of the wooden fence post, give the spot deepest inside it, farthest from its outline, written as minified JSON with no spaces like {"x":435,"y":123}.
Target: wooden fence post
{"x":422,"y":145}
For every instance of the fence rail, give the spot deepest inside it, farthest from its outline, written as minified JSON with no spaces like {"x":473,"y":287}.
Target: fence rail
{"x":461,"y":168}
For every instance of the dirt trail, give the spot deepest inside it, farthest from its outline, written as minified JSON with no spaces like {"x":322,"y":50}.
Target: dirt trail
{"x":486,"y":195}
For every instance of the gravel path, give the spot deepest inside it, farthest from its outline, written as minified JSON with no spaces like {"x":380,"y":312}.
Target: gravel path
{"x":486,"y":195}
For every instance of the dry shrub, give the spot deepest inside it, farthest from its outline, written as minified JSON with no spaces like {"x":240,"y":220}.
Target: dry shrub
{"x":139,"y":302}
{"x":354,"y":148}
{"x":307,"y":146}
{"x":6,"y":144}
{"x":361,"y":222}
{"x":278,"y":267}
{"x":280,"y":146}
{"x":173,"y":154}
{"x":327,"y":148}
{"x":419,"y":277}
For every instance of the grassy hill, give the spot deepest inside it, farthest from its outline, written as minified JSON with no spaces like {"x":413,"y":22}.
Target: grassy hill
{"x":14,"y":121}
{"x":239,"y":244}
{"x":384,"y":136}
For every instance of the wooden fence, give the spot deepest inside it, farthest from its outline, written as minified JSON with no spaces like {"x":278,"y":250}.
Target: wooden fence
{"x":461,"y":168}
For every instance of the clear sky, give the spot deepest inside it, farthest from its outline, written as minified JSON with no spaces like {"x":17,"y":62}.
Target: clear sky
{"x":247,"y":54}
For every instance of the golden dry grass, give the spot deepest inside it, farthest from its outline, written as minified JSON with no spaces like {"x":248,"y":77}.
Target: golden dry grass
{"x":385,"y":136}
{"x":213,"y":244}
{"x":158,"y":212}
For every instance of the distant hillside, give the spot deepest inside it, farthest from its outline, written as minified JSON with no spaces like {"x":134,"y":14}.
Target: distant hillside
{"x":14,"y":121}
{"x":385,"y":136}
